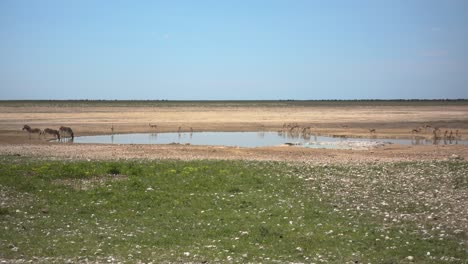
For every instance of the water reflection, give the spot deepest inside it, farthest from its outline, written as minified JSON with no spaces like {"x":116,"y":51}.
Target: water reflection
{"x":261,"y":134}
{"x":66,"y":140}
{"x":248,"y":139}
{"x":436,"y":141}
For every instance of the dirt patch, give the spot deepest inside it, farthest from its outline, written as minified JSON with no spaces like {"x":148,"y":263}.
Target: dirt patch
{"x":295,"y":154}
{"x":90,"y":183}
{"x":352,"y":121}
{"x":10,"y":198}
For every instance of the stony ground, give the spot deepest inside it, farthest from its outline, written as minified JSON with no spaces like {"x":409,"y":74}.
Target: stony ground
{"x":388,"y":153}
{"x":393,"y":194}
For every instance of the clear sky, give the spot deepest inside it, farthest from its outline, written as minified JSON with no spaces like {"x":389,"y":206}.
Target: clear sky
{"x":194,"y":50}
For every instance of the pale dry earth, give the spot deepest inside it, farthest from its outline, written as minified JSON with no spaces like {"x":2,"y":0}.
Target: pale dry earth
{"x":443,"y":206}
{"x":352,"y":121}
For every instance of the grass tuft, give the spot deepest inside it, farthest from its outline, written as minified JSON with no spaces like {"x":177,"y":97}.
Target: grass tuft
{"x":228,"y":211}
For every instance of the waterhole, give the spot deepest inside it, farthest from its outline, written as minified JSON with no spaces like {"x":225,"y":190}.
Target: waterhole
{"x":254,"y":139}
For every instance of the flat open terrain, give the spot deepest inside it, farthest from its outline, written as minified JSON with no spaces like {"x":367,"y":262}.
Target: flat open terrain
{"x":82,"y":203}
{"x":391,"y":119}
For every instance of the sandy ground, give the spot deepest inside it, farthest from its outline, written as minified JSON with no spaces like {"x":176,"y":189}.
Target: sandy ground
{"x":355,"y":121}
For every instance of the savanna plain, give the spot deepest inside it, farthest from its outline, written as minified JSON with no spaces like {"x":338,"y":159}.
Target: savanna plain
{"x":63,"y":202}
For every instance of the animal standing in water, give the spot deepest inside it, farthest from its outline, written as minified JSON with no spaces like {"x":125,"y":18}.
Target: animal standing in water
{"x":66,"y":131}
{"x":53,"y":132}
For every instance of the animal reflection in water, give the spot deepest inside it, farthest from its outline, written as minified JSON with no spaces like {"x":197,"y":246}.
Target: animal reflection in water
{"x":295,"y":131}
{"x":63,"y":134}
{"x":448,"y":137}
{"x":66,"y":131}
{"x":52,"y":132}
{"x":181,"y":132}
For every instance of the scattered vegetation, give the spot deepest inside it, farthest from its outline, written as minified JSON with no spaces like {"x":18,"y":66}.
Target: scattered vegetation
{"x":231,"y":211}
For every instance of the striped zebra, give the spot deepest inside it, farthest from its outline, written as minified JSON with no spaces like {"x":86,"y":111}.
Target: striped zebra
{"x":66,"y":131}
{"x":53,"y":132}
{"x":32,"y":130}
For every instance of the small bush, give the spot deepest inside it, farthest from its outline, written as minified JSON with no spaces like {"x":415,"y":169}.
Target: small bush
{"x":4,"y":211}
{"x":114,"y":169}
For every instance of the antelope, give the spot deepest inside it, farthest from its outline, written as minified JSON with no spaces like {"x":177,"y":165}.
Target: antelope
{"x":372,"y":130}
{"x":53,"y":132}
{"x":294,"y":127}
{"x":445,"y":133}
{"x":306,"y":131}
{"x":435,"y":132}
{"x":66,"y":130}
{"x":416,"y":130}
{"x":153,"y":126}
{"x":32,"y":130}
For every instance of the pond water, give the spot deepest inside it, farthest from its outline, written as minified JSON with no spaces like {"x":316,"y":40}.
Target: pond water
{"x":251,"y":139}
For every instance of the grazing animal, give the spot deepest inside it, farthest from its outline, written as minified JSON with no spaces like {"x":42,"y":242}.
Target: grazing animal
{"x":372,"y":130}
{"x":52,"y":132}
{"x":153,"y":126}
{"x":294,"y":127}
{"x":32,"y":130}
{"x":436,"y":133}
{"x":66,"y":130}
{"x":416,"y":130}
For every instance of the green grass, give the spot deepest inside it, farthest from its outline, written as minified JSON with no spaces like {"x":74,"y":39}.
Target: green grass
{"x":195,"y":211}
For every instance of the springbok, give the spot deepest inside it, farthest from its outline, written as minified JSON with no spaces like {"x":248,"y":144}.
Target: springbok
{"x":66,"y":130}
{"x":53,"y":132}
{"x":427,"y":127}
{"x":153,"y":126}
{"x":32,"y":130}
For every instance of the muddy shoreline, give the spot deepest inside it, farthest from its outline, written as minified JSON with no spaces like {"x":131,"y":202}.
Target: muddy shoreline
{"x":344,"y":121}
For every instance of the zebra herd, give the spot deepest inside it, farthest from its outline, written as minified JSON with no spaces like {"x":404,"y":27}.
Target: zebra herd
{"x":62,"y":132}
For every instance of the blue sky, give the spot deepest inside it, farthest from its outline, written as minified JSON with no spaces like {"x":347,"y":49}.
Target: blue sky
{"x":194,"y":50}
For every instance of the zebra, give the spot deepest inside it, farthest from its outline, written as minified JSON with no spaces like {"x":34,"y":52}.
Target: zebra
{"x":32,"y":130}
{"x":52,"y":132}
{"x":153,"y":126}
{"x":66,"y":130}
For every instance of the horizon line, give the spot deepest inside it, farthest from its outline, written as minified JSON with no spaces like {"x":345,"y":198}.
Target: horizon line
{"x":227,"y":100}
